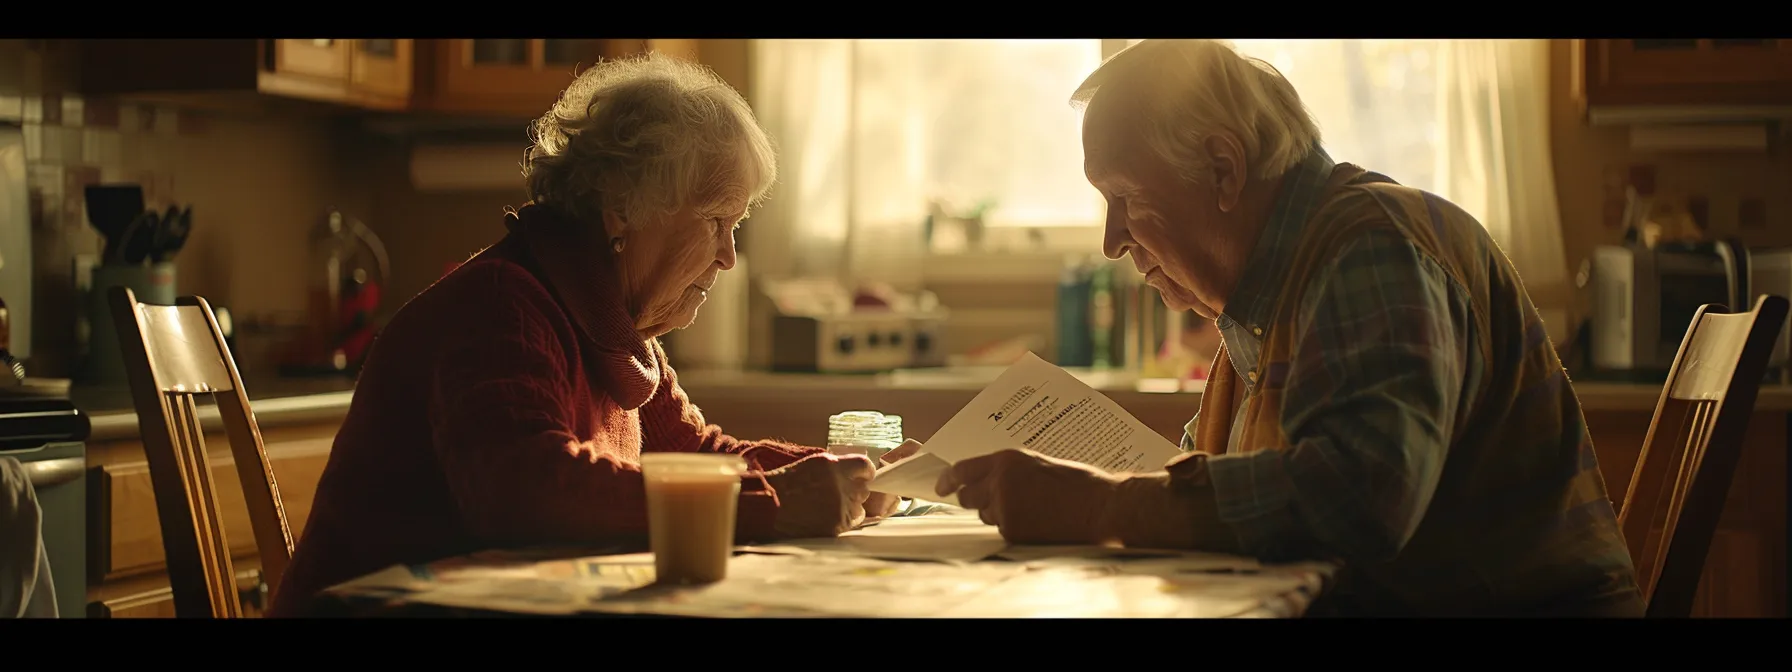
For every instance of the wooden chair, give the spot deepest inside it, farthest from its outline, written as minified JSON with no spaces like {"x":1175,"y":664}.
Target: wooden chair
{"x":172,"y":355}
{"x":1690,"y":453}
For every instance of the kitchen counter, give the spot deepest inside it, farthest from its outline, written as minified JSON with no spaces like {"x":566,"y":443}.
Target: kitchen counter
{"x":286,"y":401}
{"x":275,"y":401}
{"x":1594,"y":396}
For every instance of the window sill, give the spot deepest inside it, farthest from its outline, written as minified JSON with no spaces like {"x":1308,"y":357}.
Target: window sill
{"x":1015,"y":254}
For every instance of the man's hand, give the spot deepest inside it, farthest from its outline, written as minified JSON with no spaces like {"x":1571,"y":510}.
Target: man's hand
{"x":881,"y":505}
{"x":1034,"y":499}
{"x":821,"y":495}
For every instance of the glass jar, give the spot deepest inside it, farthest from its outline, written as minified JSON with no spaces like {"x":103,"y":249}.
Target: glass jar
{"x":867,"y":433}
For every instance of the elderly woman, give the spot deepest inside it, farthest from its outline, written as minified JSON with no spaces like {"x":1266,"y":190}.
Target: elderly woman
{"x":509,"y":403}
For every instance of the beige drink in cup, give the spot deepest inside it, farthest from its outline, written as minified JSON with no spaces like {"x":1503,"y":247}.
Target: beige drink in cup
{"x":692,"y":499}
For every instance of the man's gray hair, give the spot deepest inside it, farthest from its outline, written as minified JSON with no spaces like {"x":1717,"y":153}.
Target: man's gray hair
{"x":1186,"y":90}
{"x":647,"y":136}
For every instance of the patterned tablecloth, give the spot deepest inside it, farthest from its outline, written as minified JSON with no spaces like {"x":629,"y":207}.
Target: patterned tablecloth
{"x":929,"y":566}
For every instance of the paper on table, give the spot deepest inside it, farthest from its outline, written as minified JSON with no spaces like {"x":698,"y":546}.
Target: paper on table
{"x":939,"y":538}
{"x":547,"y":587}
{"x":1075,"y":594}
{"x":1039,"y":406}
{"x":516,"y":595}
{"x":1130,"y":560}
{"x":396,"y":577}
{"x":773,"y":585}
{"x":913,"y":478}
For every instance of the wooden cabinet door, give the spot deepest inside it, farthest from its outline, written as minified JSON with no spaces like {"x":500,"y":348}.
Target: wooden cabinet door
{"x":1693,"y":62}
{"x":686,"y":49}
{"x":508,"y":77}
{"x":158,"y":601}
{"x":485,"y":68}
{"x":566,"y":56}
{"x":1689,"y":72}
{"x":125,"y":537}
{"x":381,"y":67}
{"x":323,"y":59}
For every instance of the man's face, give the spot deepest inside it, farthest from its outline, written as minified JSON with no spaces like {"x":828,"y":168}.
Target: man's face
{"x":1163,"y":221}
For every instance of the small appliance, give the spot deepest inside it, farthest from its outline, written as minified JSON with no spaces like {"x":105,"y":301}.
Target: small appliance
{"x":350,"y":269}
{"x":1644,"y":298}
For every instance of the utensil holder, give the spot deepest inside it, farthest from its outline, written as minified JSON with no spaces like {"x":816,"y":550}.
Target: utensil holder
{"x":152,"y":283}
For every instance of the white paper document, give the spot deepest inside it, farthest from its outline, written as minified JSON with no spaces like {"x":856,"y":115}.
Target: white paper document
{"x":936,"y":538}
{"x":820,"y":585}
{"x":914,"y":478}
{"x":1035,"y":405}
{"x":1130,"y":560}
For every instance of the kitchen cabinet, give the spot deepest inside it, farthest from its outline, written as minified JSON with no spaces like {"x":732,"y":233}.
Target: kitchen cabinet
{"x":496,"y":78}
{"x":381,"y":67}
{"x":1684,"y":72}
{"x":515,"y":78}
{"x":364,"y":73}
{"x":127,"y":570}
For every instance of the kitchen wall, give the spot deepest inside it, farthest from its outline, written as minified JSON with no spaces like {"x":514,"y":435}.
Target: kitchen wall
{"x":424,"y":231}
{"x":1589,"y":158}
{"x":259,"y":182}
{"x":256,"y":184}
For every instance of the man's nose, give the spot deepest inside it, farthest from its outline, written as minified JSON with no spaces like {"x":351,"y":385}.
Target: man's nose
{"x":726,"y":255}
{"x":1114,"y":237}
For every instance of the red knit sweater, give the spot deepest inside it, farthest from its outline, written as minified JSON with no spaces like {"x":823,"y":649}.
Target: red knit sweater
{"x":507,"y":405}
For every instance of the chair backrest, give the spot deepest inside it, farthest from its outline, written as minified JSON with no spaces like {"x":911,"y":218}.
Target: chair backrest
{"x":1690,"y":453}
{"x":172,"y":355}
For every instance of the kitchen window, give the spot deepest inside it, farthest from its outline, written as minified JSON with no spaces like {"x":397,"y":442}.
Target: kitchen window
{"x":974,"y":122}
{"x":1376,"y":101}
{"x":871,"y":132}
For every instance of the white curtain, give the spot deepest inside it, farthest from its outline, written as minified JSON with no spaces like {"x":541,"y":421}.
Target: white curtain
{"x":802,"y":92}
{"x":1495,"y":158}
{"x":848,"y":203}
{"x":870,"y":130}
{"x":872,"y":133}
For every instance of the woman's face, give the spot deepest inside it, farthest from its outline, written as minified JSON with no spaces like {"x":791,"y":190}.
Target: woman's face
{"x":668,"y":265}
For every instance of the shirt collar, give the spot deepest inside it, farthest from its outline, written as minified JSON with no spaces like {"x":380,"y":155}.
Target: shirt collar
{"x":1253,"y":300}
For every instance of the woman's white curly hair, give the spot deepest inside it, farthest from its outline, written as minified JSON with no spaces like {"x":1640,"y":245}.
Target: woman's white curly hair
{"x":647,"y":136}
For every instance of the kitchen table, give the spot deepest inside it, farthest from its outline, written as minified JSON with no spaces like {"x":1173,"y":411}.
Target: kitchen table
{"x":945,"y":565}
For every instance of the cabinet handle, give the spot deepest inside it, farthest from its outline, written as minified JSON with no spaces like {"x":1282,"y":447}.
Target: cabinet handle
{"x":47,"y":473}
{"x":255,"y":596}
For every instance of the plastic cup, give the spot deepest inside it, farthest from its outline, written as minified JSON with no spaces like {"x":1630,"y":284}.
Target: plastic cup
{"x":692,"y":500}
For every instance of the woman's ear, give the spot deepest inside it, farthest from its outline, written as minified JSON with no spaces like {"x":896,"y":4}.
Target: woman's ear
{"x":615,"y":225}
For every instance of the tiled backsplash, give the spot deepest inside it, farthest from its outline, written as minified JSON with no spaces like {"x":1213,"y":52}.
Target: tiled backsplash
{"x":1747,"y":195}
{"x":255,"y":186}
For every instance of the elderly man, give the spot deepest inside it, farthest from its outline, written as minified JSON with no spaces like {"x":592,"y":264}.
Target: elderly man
{"x":1385,"y":396}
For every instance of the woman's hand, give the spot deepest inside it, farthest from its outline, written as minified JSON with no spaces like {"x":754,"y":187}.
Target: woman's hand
{"x":880,"y":505}
{"x":821,"y":495}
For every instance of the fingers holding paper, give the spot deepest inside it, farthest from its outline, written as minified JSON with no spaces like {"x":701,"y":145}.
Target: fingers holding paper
{"x":902,"y":452}
{"x":1031,"y":498}
{"x":881,"y":504}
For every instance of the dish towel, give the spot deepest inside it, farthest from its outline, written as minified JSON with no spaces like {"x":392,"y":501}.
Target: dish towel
{"x":25,"y":587}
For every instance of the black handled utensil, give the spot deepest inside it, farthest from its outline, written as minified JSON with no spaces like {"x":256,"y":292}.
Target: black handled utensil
{"x":113,"y":208}
{"x":138,"y":241}
{"x":174,"y":231}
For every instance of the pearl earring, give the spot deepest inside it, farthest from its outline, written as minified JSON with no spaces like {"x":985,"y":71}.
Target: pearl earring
{"x":616,"y":244}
